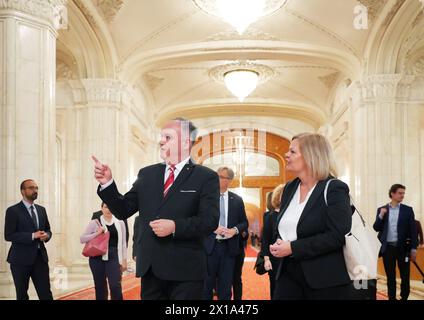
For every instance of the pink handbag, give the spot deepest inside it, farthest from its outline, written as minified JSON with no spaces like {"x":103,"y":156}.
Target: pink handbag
{"x":97,"y":246}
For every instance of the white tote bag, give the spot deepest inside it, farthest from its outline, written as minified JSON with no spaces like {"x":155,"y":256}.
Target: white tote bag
{"x":361,"y":248}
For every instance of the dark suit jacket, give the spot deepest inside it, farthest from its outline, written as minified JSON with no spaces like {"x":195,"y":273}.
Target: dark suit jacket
{"x":236,"y":218}
{"x":192,"y":203}
{"x":320,"y":233}
{"x":406,"y":228}
{"x":18,"y":229}
{"x":97,"y":214}
{"x":269,"y":225}
{"x":420,"y":239}
{"x":136,"y":237}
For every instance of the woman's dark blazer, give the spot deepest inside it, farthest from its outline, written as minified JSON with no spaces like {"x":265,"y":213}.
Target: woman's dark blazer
{"x":320,"y":233}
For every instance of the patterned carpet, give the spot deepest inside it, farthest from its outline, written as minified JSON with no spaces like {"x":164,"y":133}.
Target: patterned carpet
{"x":255,"y":287}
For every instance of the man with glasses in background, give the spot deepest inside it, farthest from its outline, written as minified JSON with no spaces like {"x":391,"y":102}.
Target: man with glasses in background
{"x":28,"y":228}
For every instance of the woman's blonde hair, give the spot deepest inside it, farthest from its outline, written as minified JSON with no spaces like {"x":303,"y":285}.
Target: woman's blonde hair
{"x":276,"y":196}
{"x":269,"y":205}
{"x":318,"y":155}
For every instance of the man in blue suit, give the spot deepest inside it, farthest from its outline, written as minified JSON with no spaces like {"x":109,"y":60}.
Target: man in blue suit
{"x":28,"y":228}
{"x":397,"y":232}
{"x":223,"y":245}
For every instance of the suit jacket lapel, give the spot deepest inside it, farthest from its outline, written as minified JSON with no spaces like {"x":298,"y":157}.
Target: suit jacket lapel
{"x":287,"y":199}
{"x":159,"y":181}
{"x":400,"y":217}
{"x":182,"y":176}
{"x":230,"y":209}
{"x":40,"y":215}
{"x":316,"y":194}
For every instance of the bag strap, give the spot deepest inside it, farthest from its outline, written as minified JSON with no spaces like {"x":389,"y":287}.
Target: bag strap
{"x":98,"y":222}
{"x":326,"y":190}
{"x":350,"y":198}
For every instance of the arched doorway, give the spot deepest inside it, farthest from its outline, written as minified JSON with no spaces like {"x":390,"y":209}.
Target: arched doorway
{"x":257,"y":158}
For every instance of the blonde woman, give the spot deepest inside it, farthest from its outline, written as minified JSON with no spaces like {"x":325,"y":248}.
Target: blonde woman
{"x":310,"y":233}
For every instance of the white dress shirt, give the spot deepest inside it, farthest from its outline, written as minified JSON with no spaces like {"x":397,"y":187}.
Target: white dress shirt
{"x":28,"y":206}
{"x":287,"y":227}
{"x":225,"y":195}
{"x":178,"y":168}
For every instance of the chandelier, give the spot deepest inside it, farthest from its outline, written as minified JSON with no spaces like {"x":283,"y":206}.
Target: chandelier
{"x":241,"y":78}
{"x":240,"y":13}
{"x":241,"y":82}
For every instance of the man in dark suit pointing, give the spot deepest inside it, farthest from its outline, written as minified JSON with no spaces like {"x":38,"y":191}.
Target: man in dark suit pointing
{"x":178,"y":205}
{"x":28,"y":228}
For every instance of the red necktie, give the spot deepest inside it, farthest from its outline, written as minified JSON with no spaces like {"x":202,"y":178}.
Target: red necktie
{"x":169,"y":181}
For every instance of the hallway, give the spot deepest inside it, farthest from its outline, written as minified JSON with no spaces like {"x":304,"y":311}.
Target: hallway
{"x":255,"y":287}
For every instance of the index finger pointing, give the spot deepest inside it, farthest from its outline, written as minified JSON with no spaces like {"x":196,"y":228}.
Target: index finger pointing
{"x":95,"y":159}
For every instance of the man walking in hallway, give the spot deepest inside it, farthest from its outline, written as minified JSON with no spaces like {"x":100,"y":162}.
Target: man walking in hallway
{"x":397,"y":232}
{"x":28,"y":228}
{"x":223,"y":245}
{"x":178,"y":204}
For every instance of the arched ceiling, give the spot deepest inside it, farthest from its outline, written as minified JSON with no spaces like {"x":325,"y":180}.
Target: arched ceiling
{"x":170,"y":46}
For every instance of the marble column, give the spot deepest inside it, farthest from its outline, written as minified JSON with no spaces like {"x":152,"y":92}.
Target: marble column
{"x":385,"y":141}
{"x":27,"y":118}
{"x":96,"y":125}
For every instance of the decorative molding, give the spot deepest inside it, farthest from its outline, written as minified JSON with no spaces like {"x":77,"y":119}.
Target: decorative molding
{"x":418,"y":18}
{"x":324,"y":30}
{"x":265,"y":73}
{"x":87,"y":14}
{"x":381,"y":87}
{"x":109,"y":8}
{"x":417,"y":67}
{"x":54,"y":11}
{"x":392,"y":13}
{"x":305,"y":67}
{"x":330,"y":79}
{"x":156,"y":33}
{"x":152,"y":81}
{"x":249,"y":34}
{"x":374,"y":7}
{"x":340,"y":133}
{"x":211,"y":7}
{"x":138,"y":137}
{"x":64,"y":72}
{"x":105,"y":91}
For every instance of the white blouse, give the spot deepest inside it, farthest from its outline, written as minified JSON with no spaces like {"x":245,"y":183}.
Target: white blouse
{"x":287,"y":227}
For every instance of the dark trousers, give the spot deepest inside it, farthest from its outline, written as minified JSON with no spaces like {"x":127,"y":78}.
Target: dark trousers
{"x":390,"y":256}
{"x":153,"y":288}
{"x":272,"y":274}
{"x":110,"y":270}
{"x":38,"y":272}
{"x":237,"y":281}
{"x":292,"y":286}
{"x":220,"y":272}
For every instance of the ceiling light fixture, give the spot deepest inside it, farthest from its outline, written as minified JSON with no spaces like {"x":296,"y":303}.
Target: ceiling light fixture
{"x":240,"y":13}
{"x":241,"y":82}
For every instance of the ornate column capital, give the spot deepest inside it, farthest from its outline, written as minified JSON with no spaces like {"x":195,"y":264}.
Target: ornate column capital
{"x":381,"y":87}
{"x":105,"y":91}
{"x":54,"y":11}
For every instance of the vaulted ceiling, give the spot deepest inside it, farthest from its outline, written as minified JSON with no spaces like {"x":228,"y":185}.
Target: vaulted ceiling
{"x":172,"y":49}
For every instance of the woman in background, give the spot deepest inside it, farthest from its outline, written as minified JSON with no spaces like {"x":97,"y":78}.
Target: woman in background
{"x":111,"y":265}
{"x":268,"y":236}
